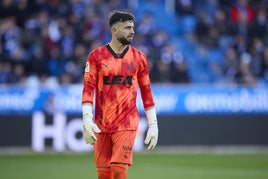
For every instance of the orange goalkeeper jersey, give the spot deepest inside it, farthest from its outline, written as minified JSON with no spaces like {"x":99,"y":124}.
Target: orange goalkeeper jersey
{"x":115,"y":79}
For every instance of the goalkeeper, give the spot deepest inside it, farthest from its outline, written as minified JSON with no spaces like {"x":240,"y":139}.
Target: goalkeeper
{"x":114,"y":72}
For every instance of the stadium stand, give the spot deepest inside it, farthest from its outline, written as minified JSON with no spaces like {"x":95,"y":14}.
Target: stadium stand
{"x":204,"y":41}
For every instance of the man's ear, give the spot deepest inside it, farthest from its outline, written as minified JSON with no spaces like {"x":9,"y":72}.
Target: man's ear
{"x":113,"y":29}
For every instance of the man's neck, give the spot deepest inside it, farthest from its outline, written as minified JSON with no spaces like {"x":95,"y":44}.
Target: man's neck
{"x":117,"y":46}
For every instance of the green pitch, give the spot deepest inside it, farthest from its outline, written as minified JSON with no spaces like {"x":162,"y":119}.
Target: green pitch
{"x":146,"y":165}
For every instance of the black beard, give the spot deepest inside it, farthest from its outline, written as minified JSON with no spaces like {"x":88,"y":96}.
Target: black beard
{"x":124,"y":41}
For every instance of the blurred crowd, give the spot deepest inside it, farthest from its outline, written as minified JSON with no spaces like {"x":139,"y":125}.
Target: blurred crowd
{"x":46,"y":42}
{"x":237,"y":30}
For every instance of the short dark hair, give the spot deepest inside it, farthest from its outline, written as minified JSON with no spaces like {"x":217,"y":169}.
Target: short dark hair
{"x":120,"y":16}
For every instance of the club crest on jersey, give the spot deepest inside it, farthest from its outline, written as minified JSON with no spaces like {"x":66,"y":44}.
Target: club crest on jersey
{"x":131,"y":67}
{"x":87,"y":68}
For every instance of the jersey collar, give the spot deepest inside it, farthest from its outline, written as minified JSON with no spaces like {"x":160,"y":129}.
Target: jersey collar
{"x":114,"y":54}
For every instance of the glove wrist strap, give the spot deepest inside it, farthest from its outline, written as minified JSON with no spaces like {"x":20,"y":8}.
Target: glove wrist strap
{"x":87,"y":111}
{"x":151,"y":116}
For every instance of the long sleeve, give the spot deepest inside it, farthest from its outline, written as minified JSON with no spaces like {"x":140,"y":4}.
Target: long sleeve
{"x":144,"y":84}
{"x":89,"y":80}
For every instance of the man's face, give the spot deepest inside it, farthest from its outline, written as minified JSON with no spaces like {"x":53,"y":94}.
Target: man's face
{"x":125,"y":32}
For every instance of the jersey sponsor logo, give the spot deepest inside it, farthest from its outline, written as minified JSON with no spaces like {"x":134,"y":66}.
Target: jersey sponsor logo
{"x":117,"y":80}
{"x":87,"y":68}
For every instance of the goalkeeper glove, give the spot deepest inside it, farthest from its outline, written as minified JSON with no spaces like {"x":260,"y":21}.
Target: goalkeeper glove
{"x":152,"y":133}
{"x":89,"y":127}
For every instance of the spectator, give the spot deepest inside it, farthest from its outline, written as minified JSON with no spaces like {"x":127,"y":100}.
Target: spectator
{"x":202,"y":29}
{"x":172,"y":66}
{"x":264,"y":67}
{"x":5,"y":72}
{"x":223,"y":28}
{"x":42,"y":19}
{"x":10,"y":37}
{"x":157,"y":42}
{"x":230,"y":65}
{"x":256,"y":51}
{"x":95,"y":27}
{"x":67,"y":42}
{"x":77,"y":7}
{"x":242,"y":15}
{"x":38,"y":63}
{"x":30,"y":39}
{"x":7,"y":8}
{"x":19,"y":74}
{"x":240,"y":44}
{"x":24,"y":9}
{"x":146,"y":27}
{"x":258,"y":28}
{"x":179,"y":72}
{"x":74,"y":68}
{"x":184,"y":7}
{"x":244,"y":75}
{"x":55,"y":64}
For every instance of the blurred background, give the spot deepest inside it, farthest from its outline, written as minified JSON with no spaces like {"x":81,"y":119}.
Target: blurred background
{"x":208,"y":60}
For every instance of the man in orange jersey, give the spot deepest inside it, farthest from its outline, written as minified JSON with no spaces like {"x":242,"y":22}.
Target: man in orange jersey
{"x":115,"y":71}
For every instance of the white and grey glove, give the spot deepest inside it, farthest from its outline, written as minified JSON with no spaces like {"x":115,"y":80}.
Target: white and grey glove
{"x":89,"y":127}
{"x":152,"y":133}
